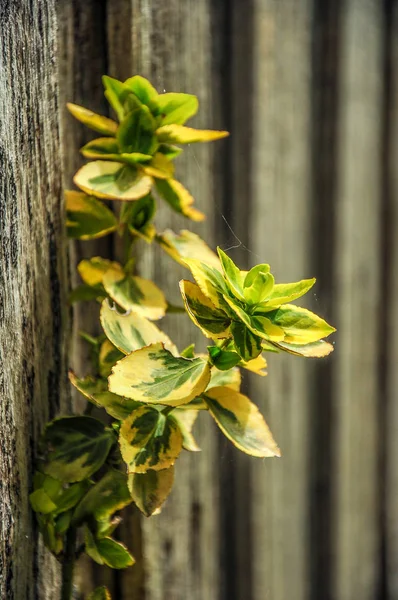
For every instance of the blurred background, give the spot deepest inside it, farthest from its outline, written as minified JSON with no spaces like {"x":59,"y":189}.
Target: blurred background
{"x":308,"y":182}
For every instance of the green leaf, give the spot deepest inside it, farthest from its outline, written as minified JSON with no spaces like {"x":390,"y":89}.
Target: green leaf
{"x":107,"y":496}
{"x":185,"y":420}
{"x":116,"y":93}
{"x":136,"y":132}
{"x":187,"y":245}
{"x":100,"y":593}
{"x":178,"y":198}
{"x":240,"y":420}
{"x":213,"y":322}
{"x":113,"y":180}
{"x":93,"y":121}
{"x":138,"y":217}
{"x":131,"y":331}
{"x":135,"y":293}
{"x":50,"y":538}
{"x":169,"y":150}
{"x":177,"y":108}
{"x":71,"y":496}
{"x":86,"y":293}
{"x":299,"y":325}
{"x":62,"y":523}
{"x":41,"y":502}
{"x":259,"y":325}
{"x":118,"y":407}
{"x":154,"y":375}
{"x":287,"y":292}
{"x":178,"y":134}
{"x":77,"y":447}
{"x":144,"y":91}
{"x":189,"y":351}
{"x":149,"y":440}
{"x":223,"y":359}
{"x":87,"y":217}
{"x":232,"y":274}
{"x":260,"y":289}
{"x":313,"y":350}
{"x":114,"y":554}
{"x":251,"y":275}
{"x":246,"y":343}
{"x":149,"y":490}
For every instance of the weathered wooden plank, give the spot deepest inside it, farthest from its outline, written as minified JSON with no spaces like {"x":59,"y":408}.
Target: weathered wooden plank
{"x":280,"y":226}
{"x":33,"y":276}
{"x":357,"y":260}
{"x":170,"y":44}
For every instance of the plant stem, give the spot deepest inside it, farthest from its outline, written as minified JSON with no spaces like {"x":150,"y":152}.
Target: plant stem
{"x":68,"y":564}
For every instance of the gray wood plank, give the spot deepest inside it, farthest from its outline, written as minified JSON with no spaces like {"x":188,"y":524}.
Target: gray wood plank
{"x":357,"y":260}
{"x":280,"y":229}
{"x":33,"y":283}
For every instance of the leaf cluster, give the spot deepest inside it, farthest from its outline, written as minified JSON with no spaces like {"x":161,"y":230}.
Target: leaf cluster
{"x":148,"y":394}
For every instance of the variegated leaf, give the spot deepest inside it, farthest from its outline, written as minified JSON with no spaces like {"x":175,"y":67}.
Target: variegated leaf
{"x":213,"y":322}
{"x":210,"y":281}
{"x":92,"y":120}
{"x":131,"y":331}
{"x":108,"y":356}
{"x":257,"y":365}
{"x":148,"y":439}
{"x":178,"y":197}
{"x":247,"y":345}
{"x":92,"y":270}
{"x":149,"y":490}
{"x":135,"y":293}
{"x":160,"y":167}
{"x":260,"y":325}
{"x":300,"y":326}
{"x":154,"y":375}
{"x":231,"y":378}
{"x":177,"y":108}
{"x":113,"y":180}
{"x":185,"y":420}
{"x":241,"y":421}
{"x":187,"y":245}
{"x":87,"y":217}
{"x":317,"y":349}
{"x":286,"y":292}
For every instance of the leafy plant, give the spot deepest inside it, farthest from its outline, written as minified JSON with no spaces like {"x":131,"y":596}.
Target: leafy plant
{"x":150,"y":394}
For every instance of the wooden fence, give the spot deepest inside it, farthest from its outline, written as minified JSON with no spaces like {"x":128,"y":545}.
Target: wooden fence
{"x":307,"y":182}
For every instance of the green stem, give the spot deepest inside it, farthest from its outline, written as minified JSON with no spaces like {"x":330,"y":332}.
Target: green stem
{"x":68,"y":564}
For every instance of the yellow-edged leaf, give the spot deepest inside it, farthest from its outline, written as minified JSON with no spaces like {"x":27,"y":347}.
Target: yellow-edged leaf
{"x":178,"y":197}
{"x":213,"y":322}
{"x":131,"y":331}
{"x":257,"y":365}
{"x":87,"y":217}
{"x":210,"y":281}
{"x":241,"y":421}
{"x":135,"y":293}
{"x":149,"y":490}
{"x":176,"y":107}
{"x":149,"y":440}
{"x":231,"y":378}
{"x":160,"y":167}
{"x":178,"y":134}
{"x":153,"y":375}
{"x":185,"y":420}
{"x":92,"y":120}
{"x":313,"y":350}
{"x":113,"y":180}
{"x":187,"y":244}
{"x":260,"y":325}
{"x":108,"y":356}
{"x":300,"y":326}
{"x":286,"y":292}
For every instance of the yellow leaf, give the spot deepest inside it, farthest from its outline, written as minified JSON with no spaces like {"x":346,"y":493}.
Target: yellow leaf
{"x":257,"y":365}
{"x":179,"y":134}
{"x":92,"y":120}
{"x":178,"y":197}
{"x":185,"y":420}
{"x":159,"y":167}
{"x":92,"y":270}
{"x":214,"y":323}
